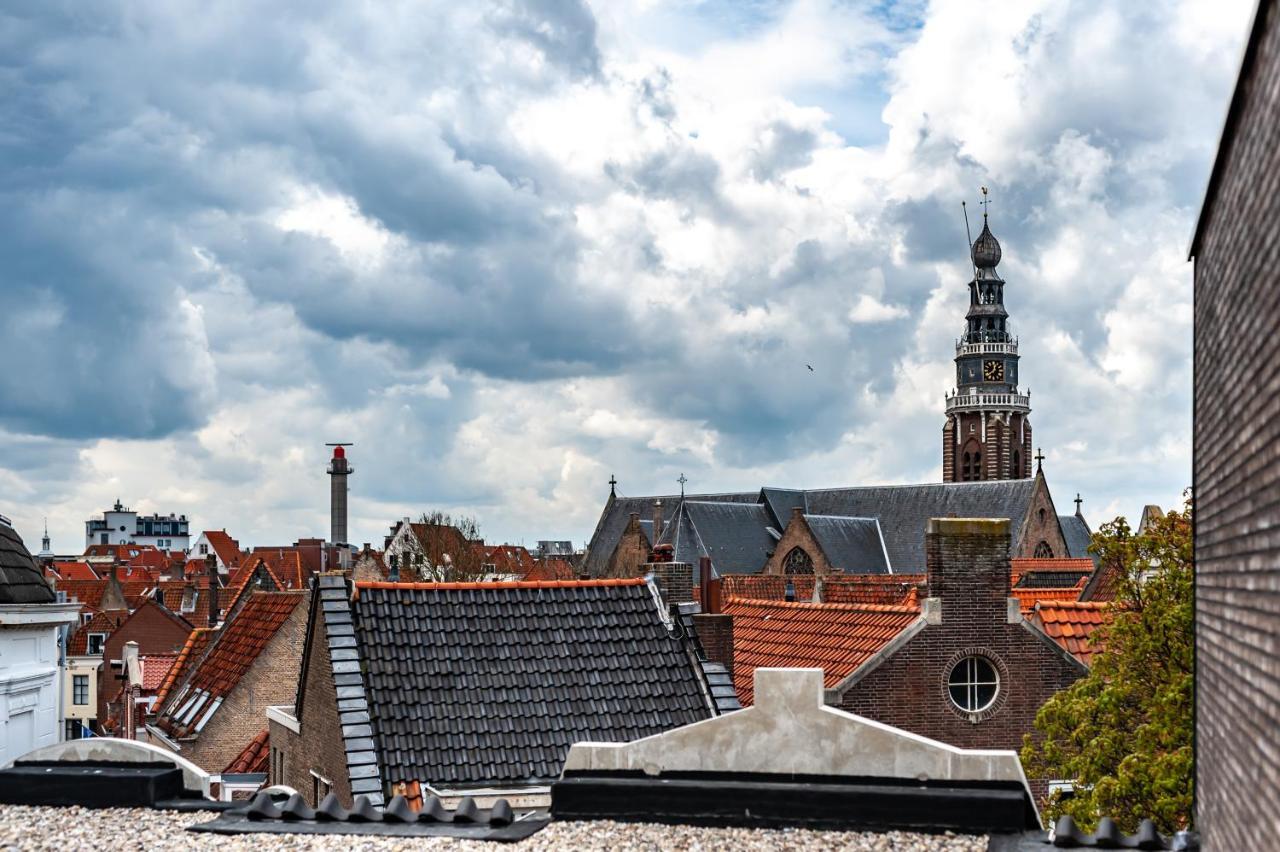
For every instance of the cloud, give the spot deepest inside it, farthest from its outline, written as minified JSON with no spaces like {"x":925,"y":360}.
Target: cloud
{"x":510,"y":249}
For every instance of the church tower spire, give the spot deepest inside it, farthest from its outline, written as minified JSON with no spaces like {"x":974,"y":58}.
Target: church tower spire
{"x":987,"y":434}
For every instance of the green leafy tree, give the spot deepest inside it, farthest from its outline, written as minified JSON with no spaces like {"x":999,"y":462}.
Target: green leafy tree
{"x":1123,"y":733}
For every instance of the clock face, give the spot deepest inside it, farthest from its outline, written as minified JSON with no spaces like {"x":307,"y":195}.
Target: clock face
{"x":993,"y":371}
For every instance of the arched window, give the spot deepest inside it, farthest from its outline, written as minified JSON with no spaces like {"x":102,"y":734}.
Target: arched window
{"x":1044,"y":551}
{"x":1042,"y":516}
{"x":798,"y":562}
{"x":977,"y":465}
{"x":966,"y":469}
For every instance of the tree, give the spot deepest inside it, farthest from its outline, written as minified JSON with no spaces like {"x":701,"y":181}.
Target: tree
{"x":1123,"y":733}
{"x":444,"y":549}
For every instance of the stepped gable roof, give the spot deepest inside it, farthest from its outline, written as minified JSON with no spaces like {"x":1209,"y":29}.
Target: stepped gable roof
{"x":101,"y":622}
{"x":76,"y":570}
{"x":254,"y":756}
{"x":1071,"y":624}
{"x":155,"y":668}
{"x":187,"y":658}
{"x":766,"y":587}
{"x":734,"y":535}
{"x":1078,"y":537}
{"x":893,"y":589}
{"x":488,"y":684}
{"x":904,"y":510}
{"x":21,"y":580}
{"x":618,"y":510}
{"x":237,"y":647}
{"x":853,"y":545}
{"x":836,"y":638}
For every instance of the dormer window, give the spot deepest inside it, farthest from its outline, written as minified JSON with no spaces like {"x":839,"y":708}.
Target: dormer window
{"x":95,"y":641}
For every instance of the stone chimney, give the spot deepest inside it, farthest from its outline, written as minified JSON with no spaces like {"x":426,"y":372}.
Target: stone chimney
{"x":674,"y":579}
{"x":211,"y":569}
{"x":967,"y":565}
{"x":113,"y":596}
{"x":657,"y":521}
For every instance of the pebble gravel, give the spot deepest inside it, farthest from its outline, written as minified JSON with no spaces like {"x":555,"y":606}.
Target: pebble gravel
{"x":38,"y":828}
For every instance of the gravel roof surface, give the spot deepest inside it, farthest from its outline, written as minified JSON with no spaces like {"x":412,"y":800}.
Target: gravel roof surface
{"x":26,"y":828}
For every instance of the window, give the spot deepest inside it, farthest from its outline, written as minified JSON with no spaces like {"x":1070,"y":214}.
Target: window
{"x":1044,"y":551}
{"x":80,"y":690}
{"x":204,"y":550}
{"x":973,"y":684}
{"x":320,"y":787}
{"x":96,"y":641}
{"x":798,"y":562}
{"x":1017,"y":464}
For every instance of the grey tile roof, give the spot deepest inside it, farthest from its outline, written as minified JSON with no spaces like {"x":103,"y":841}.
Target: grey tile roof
{"x":780,"y":502}
{"x":853,"y":545}
{"x":613,"y":520}
{"x":904,"y":510}
{"x":1077,"y":534}
{"x":20,"y":580}
{"x":734,"y":535}
{"x":475,"y":686}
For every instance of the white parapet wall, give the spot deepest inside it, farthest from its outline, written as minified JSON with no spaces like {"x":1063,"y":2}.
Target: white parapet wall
{"x":790,"y":731}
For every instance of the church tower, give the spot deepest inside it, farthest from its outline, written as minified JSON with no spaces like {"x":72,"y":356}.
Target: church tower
{"x":987,"y":434}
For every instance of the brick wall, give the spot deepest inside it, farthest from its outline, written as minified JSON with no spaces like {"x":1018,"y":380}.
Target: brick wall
{"x":997,"y":450}
{"x":968,"y":576}
{"x":1237,"y":466}
{"x":798,"y":534}
{"x":1041,"y":524}
{"x":674,"y":579}
{"x":715,"y":632}
{"x":155,"y":631}
{"x":272,"y":679}
{"x":632,"y":552}
{"x":320,"y":746}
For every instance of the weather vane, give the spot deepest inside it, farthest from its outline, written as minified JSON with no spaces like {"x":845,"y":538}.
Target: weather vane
{"x":986,"y":202}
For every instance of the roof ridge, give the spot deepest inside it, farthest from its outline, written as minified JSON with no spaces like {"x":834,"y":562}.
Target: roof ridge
{"x":823,"y":605}
{"x":511,"y":584}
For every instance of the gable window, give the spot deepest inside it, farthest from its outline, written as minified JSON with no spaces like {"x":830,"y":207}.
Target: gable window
{"x":1044,"y":551}
{"x":973,"y":684}
{"x":95,"y":643}
{"x":798,"y":561}
{"x":80,"y":690}
{"x":204,"y":550}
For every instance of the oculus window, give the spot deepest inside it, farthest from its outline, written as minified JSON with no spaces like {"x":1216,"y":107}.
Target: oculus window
{"x":973,"y":684}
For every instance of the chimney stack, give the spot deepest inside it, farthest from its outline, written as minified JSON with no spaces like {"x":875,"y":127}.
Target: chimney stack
{"x":338,"y":471}
{"x":657,"y":521}
{"x":211,"y":569}
{"x":967,"y":564}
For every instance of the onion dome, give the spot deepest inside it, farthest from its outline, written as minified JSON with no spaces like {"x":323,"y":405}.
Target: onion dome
{"x":21,"y":581}
{"x":986,"y":250}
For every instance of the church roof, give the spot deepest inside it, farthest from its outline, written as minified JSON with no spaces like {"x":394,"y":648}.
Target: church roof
{"x":1076,"y":533}
{"x":901,"y":510}
{"x":21,"y":582}
{"x":853,"y":545}
{"x":734,"y":535}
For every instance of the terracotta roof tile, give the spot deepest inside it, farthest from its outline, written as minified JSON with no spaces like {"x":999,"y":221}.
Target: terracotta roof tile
{"x":766,"y":587}
{"x":894,"y":589}
{"x":226,"y":547}
{"x":834,"y":637}
{"x":254,"y":756}
{"x":155,"y":668}
{"x":187,"y":658}
{"x":74,"y":571}
{"x":1071,"y":624}
{"x":1028,"y":598}
{"x":242,"y":640}
{"x":89,"y":592}
{"x":102,"y":622}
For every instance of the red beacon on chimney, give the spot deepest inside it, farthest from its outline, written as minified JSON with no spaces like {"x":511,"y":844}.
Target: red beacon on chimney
{"x":339,"y":453}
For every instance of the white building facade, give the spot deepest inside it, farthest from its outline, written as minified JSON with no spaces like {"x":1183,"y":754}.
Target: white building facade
{"x":121,"y":525}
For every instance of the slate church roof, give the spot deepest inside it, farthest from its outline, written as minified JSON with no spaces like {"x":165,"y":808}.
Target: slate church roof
{"x":1078,"y":537}
{"x":21,"y":582}
{"x":902,"y":512}
{"x":475,"y":685}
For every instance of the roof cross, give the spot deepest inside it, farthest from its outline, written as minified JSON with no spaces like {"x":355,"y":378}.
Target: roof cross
{"x":682,"y":480}
{"x":1039,"y":459}
{"x":613,"y":485}
{"x":1078,"y":502}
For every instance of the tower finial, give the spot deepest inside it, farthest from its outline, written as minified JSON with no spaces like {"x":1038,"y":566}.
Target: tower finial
{"x":1039,"y":459}
{"x":1078,"y":502}
{"x":986,"y":202}
{"x":682,"y":480}
{"x":613,"y":485}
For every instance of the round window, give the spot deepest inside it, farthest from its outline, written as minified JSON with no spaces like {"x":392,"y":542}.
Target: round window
{"x":973,"y":684}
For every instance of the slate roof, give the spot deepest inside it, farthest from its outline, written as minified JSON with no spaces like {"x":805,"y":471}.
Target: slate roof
{"x":1071,"y":624}
{"x":836,"y":638}
{"x":488,"y":684}
{"x":734,"y":535}
{"x":21,"y":580}
{"x":853,"y":545}
{"x":254,"y":756}
{"x":239,"y":643}
{"x":902,"y":511}
{"x":1077,"y":535}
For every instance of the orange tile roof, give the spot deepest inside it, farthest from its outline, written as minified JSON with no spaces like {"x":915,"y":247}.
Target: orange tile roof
{"x":155,"y":668}
{"x":1028,"y":598}
{"x":226,"y":547}
{"x":766,"y":587}
{"x":1071,"y":624}
{"x":241,"y":640}
{"x":74,"y":571}
{"x":254,"y":756}
{"x":552,"y":568}
{"x":834,"y":637}
{"x":89,"y":592}
{"x":190,"y":654}
{"x":897,"y":589}
{"x":102,"y":622}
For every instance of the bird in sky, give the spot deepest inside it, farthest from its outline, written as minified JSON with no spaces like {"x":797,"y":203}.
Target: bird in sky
{"x":810,"y":366}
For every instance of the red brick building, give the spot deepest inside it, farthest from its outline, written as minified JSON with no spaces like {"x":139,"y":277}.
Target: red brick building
{"x":155,"y":629}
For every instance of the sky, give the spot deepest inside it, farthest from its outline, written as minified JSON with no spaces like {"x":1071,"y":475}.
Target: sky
{"x":513,"y":249}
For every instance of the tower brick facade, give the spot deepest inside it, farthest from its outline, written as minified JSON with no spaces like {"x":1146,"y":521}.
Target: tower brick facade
{"x":987,"y":434}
